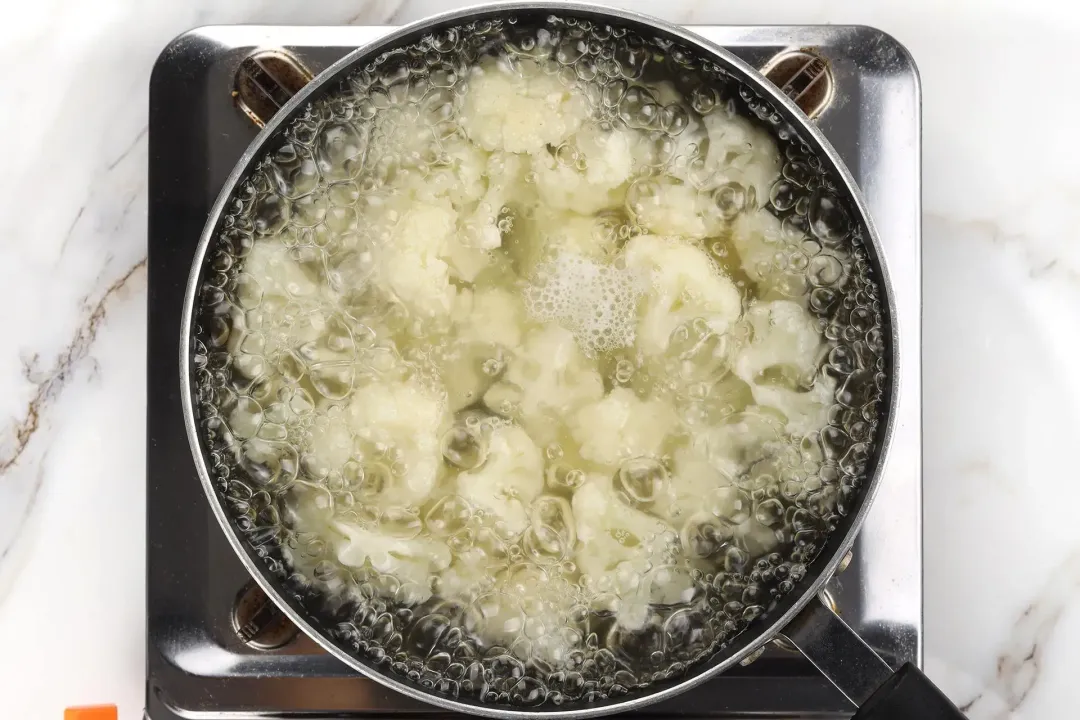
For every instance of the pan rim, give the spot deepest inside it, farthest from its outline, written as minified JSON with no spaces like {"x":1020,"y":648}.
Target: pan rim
{"x":824,"y":568}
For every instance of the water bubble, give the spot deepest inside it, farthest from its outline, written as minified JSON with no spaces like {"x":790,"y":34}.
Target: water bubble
{"x":448,"y":516}
{"x":687,"y":635}
{"x":704,"y":99}
{"x":828,"y":219}
{"x":643,"y":479}
{"x":673,"y":119}
{"x":704,"y":535}
{"x":784,"y":195}
{"x":769,"y":512}
{"x":561,"y":475}
{"x":340,"y":151}
{"x":293,"y":171}
{"x":464,"y":448}
{"x":371,"y":480}
{"x":400,"y":522}
{"x":798,"y":172}
{"x":271,"y":214}
{"x":731,"y":199}
{"x":333,"y":380}
{"x":732,"y":504}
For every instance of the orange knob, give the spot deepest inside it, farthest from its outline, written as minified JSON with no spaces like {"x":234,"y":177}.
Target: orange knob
{"x":91,"y":712}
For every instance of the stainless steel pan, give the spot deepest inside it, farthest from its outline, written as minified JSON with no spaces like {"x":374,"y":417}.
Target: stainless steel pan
{"x":797,"y":616}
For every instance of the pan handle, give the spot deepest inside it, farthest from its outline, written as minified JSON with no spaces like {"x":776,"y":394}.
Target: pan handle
{"x":861,"y":675}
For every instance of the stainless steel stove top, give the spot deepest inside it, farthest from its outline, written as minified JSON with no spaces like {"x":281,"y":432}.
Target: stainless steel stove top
{"x":198,"y":663}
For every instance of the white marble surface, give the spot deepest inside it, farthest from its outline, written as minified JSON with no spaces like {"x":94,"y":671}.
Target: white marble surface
{"x":1002,"y":305}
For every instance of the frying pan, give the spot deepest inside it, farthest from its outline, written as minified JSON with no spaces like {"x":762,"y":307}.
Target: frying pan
{"x":832,"y":211}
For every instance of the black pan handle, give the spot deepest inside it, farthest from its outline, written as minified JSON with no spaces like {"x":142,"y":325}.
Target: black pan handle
{"x":906,"y":695}
{"x":861,"y":675}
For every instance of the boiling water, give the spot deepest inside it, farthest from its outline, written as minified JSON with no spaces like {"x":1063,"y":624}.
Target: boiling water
{"x":539,"y":362}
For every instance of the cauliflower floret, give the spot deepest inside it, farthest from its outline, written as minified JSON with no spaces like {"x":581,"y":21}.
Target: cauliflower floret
{"x":466,"y":262}
{"x":589,"y":175}
{"x":275,"y":336}
{"x":505,"y":182}
{"x":762,"y":243}
{"x":547,"y":380}
{"x":708,"y":495}
{"x":272,"y":278}
{"x":713,"y":460}
{"x":736,"y":445}
{"x":459,"y":174}
{"x":469,"y":251}
{"x":520,"y":107}
{"x":440,"y":229}
{"x":483,"y":552}
{"x":509,"y":479}
{"x":244,"y":421}
{"x":758,"y":237}
{"x":448,"y":229}
{"x":408,"y":559}
{"x":576,"y":234}
{"x":610,"y":531}
{"x":410,"y":261}
{"x":665,"y":93}
{"x":715,"y":457}
{"x":529,"y":604}
{"x":780,"y":364}
{"x":620,"y":427}
{"x":330,"y":447}
{"x":469,"y":574}
{"x":276,"y":273}
{"x":784,"y":335}
{"x":489,"y":323}
{"x":546,"y":232}
{"x":737,"y":152}
{"x":668,"y":207}
{"x":806,"y":410}
{"x":626,"y":552}
{"x":399,"y":553}
{"x":686,"y":285}
{"x":399,"y":415}
{"x":741,"y":152}
{"x":674,"y":136}
{"x":694,"y":476}
{"x":489,"y":315}
{"x":709,"y":505}
{"x":402,"y":133}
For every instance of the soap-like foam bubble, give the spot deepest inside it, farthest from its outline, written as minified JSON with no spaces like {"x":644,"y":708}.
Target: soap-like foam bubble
{"x":596,"y":301}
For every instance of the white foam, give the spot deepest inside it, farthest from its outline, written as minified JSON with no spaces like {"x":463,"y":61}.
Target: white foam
{"x":594,"y":300}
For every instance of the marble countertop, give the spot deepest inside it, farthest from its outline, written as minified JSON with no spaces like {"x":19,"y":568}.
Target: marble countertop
{"x":1001,"y":304}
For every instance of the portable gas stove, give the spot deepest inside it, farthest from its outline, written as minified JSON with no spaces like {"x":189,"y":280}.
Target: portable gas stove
{"x":216,"y":647}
